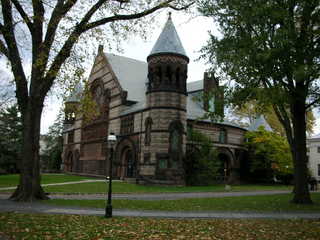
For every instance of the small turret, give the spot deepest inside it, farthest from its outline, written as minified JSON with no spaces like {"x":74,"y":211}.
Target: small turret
{"x":72,"y":103}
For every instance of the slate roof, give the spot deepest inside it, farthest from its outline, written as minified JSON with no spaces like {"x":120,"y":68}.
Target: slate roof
{"x":168,"y":41}
{"x":258,"y":122}
{"x":131,"y":74}
{"x":315,"y":136}
{"x":195,"y":86}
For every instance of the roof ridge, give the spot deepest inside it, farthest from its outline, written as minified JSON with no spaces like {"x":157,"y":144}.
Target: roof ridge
{"x":137,"y":60}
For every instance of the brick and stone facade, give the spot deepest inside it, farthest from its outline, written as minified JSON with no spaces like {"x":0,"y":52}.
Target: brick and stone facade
{"x":149,"y":106}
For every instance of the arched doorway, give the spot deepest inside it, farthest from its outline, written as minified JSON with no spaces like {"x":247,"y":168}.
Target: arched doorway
{"x":128,"y":163}
{"x":224,"y":168}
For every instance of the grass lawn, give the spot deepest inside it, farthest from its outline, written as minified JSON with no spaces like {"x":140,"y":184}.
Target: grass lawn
{"x":12,"y":180}
{"x":41,"y":226}
{"x":122,"y":187}
{"x":267,"y":203}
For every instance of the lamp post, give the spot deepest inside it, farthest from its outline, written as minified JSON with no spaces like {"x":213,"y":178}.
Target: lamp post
{"x":112,"y":139}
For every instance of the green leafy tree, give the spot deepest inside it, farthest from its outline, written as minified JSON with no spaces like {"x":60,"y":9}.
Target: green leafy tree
{"x":269,"y":153}
{"x":48,"y":32}
{"x":10,"y":139}
{"x":250,"y":110}
{"x":270,"y":49}
{"x":201,"y":163}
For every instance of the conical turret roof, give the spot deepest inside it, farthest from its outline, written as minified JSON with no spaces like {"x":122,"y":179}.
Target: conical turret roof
{"x":168,"y":41}
{"x":258,"y":122}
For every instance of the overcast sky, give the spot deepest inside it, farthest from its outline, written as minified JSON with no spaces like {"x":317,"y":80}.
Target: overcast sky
{"x":193,"y":33}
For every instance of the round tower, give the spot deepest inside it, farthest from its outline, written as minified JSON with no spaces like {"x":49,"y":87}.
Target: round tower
{"x":166,"y":103}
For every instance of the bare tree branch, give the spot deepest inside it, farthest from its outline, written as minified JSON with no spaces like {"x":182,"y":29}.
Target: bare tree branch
{"x":14,"y":56}
{"x":127,"y":17}
{"x":23,"y":14}
{"x":58,"y":13}
{"x":82,"y":27}
{"x":181,"y":8}
{"x":3,"y":49}
{"x":309,"y":105}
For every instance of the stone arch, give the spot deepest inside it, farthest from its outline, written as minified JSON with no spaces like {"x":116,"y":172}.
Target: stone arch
{"x":227,"y":161}
{"x":231,"y":165}
{"x":126,"y":159}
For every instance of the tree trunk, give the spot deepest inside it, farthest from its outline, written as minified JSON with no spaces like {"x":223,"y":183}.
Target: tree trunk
{"x":29,"y":188}
{"x":298,"y":147}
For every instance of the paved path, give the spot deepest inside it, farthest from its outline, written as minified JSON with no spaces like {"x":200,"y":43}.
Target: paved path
{"x":10,"y":206}
{"x":38,"y":207}
{"x":158,"y":196}
{"x":64,"y":183}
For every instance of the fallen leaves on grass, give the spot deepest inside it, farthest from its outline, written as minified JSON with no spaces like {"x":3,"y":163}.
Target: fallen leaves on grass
{"x":41,"y":226}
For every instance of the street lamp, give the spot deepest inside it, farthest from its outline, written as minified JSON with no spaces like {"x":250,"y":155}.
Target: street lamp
{"x":112,"y":139}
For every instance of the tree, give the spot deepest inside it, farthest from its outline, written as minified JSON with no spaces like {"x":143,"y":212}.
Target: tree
{"x":51,"y":156}
{"x":270,"y":49}
{"x":247,"y":112}
{"x":6,"y":91}
{"x":201,"y":162}
{"x":48,"y":32}
{"x":10,"y":139}
{"x":269,"y":155}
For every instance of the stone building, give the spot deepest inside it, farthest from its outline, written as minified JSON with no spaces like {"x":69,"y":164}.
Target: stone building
{"x":149,"y":106}
{"x":313,"y":148}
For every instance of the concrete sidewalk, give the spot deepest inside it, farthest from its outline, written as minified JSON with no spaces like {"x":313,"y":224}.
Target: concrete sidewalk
{"x":158,"y":196}
{"x":64,"y":183}
{"x":36,"y":207}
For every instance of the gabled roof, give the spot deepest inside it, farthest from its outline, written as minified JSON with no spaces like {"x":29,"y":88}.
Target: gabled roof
{"x":168,"y":41}
{"x":258,"y":122}
{"x":131,"y":74}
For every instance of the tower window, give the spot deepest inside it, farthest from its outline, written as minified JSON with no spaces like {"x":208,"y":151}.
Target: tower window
{"x":168,"y":75}
{"x":178,"y":78}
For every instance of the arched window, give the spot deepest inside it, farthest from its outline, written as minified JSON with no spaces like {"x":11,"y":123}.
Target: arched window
{"x":178,"y":77}
{"x":148,"y":127}
{"x":158,"y":77}
{"x":168,"y":75}
{"x":175,"y":143}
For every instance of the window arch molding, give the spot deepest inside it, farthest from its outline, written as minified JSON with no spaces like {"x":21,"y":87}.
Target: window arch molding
{"x":223,"y":135}
{"x":148,"y":127}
